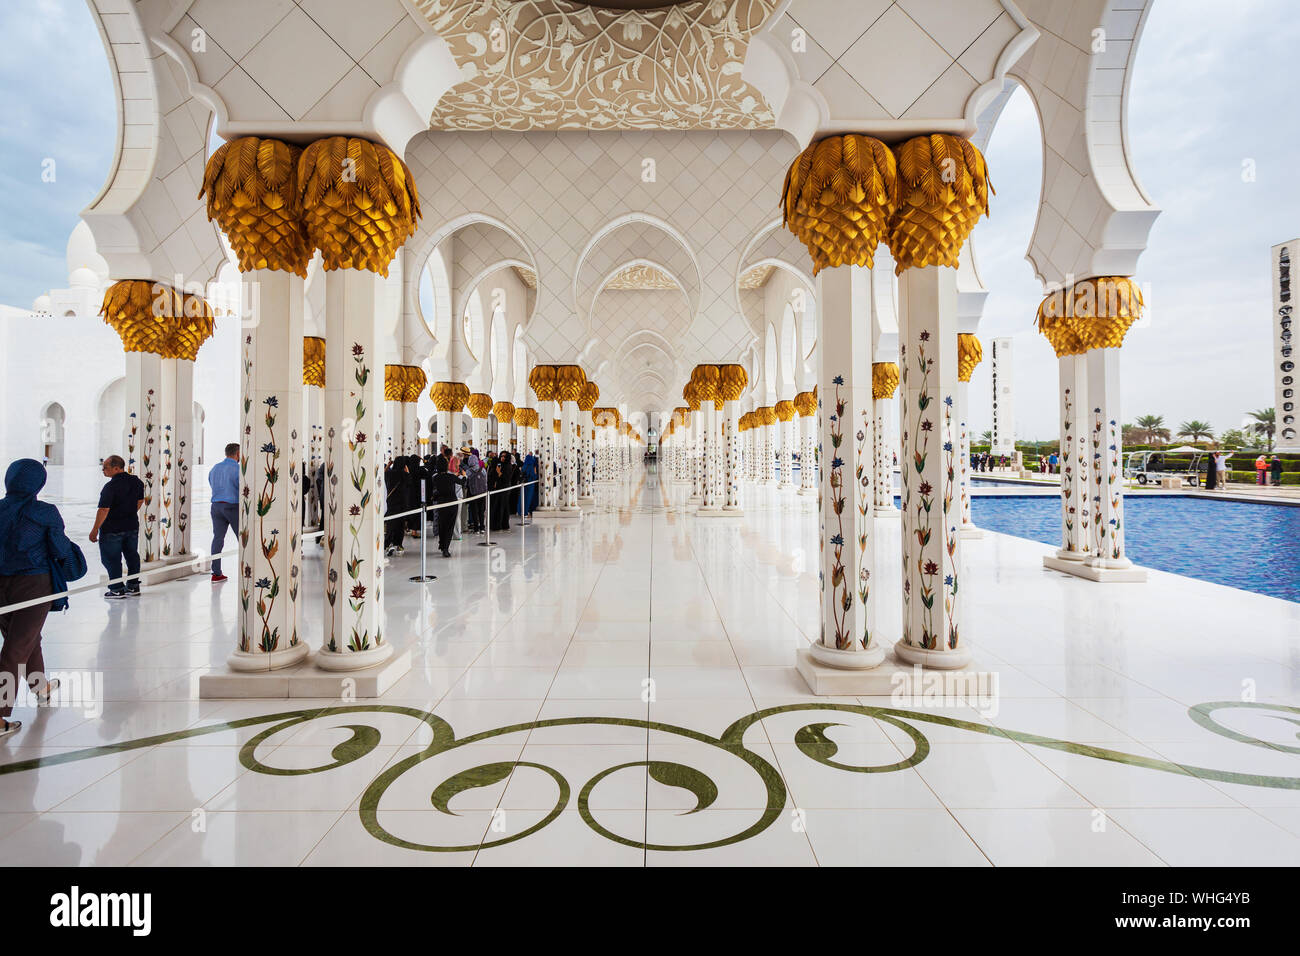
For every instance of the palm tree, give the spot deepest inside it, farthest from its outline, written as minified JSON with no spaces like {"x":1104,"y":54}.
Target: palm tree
{"x":1264,"y":425}
{"x":1232,"y":439}
{"x":987,"y":438}
{"x":1152,"y":428}
{"x":1196,"y":430}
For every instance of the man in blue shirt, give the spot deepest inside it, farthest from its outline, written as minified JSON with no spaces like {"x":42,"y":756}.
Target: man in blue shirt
{"x":224,"y":481}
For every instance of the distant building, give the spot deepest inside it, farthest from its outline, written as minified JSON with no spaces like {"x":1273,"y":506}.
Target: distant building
{"x":62,"y":395}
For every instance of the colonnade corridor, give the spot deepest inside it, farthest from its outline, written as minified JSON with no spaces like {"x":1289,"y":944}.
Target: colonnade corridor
{"x":620,"y":690}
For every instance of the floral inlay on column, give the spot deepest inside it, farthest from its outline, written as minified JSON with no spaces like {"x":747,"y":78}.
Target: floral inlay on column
{"x":268,"y":588}
{"x":331,"y":537}
{"x":360,"y":634}
{"x":841,"y":597}
{"x":863,"y":469}
{"x":950,"y":579}
{"x":182,"y":491}
{"x":165,"y":492}
{"x":924,"y":528}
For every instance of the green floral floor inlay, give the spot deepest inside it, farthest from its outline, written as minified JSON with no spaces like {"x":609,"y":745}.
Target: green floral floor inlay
{"x":812,"y":741}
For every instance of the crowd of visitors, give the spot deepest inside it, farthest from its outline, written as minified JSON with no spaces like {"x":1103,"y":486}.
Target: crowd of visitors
{"x":986,"y":462}
{"x":449,"y":476}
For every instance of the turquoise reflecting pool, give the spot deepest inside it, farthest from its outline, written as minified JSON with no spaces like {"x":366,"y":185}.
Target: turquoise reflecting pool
{"x":1248,"y":546}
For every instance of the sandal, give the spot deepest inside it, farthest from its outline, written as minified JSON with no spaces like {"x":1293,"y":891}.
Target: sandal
{"x":43,"y":698}
{"x":8,"y":727}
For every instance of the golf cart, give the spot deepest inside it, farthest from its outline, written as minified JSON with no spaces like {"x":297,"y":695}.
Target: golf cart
{"x":1149,"y":467}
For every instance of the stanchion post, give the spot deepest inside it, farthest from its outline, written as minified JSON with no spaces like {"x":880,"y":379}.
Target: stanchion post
{"x":424,"y":541}
{"x":487,"y":521}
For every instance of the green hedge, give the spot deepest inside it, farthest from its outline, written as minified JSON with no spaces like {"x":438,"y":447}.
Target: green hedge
{"x":1248,"y":477}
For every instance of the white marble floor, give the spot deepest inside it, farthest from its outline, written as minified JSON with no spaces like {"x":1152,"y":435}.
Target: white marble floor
{"x":587,"y":694}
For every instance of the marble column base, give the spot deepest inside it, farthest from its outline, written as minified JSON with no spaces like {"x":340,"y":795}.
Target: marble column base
{"x":847,"y":660}
{"x":353,"y":661}
{"x":173,"y":567}
{"x":719,"y":513}
{"x":558,"y":515}
{"x":807,"y":492}
{"x":970,"y":531}
{"x":305,"y":679}
{"x":893,"y":511}
{"x":246,"y":663}
{"x":784,"y":486}
{"x":892,"y":678}
{"x":1073,"y":557}
{"x":1090,"y":572}
{"x":936,"y":660}
{"x":867,"y":680}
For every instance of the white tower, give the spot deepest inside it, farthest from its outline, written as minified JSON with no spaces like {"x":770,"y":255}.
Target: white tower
{"x":1004,"y":414}
{"x":1285,"y":375}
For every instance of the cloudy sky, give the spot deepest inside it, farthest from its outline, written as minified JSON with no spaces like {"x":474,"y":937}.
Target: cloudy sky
{"x":1215,"y":85}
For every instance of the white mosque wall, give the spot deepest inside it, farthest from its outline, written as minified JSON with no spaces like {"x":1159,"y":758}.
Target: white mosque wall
{"x":77,"y":364}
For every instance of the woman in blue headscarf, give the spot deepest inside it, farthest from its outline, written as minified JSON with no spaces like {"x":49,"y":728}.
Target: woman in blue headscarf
{"x":33,"y":554}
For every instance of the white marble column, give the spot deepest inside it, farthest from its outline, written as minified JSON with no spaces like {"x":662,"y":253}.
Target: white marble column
{"x":354,"y":396}
{"x":714,"y":494}
{"x":695,"y":443}
{"x":750,"y":458}
{"x":1106,"y":459}
{"x":410,"y":428}
{"x":847,"y":520}
{"x":714,"y":459}
{"x":314,"y":401}
{"x":931,"y":516}
{"x":546,"y":498}
{"x":270,"y":504}
{"x":569,"y":450}
{"x":503,"y":435}
{"x":585,"y":447}
{"x":478,"y":432}
{"x":884,"y":487}
{"x":144,"y":443}
{"x":443,"y":436}
{"x":808,"y":454}
{"x":767,"y":463}
{"x":731,"y":440}
{"x":1076,"y":509}
{"x":968,"y":528}
{"x":182,"y":499}
{"x":785,"y":458}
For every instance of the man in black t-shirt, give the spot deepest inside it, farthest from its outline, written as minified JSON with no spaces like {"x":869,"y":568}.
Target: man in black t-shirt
{"x":117,"y":527}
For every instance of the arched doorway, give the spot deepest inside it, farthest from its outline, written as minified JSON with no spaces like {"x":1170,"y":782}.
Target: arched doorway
{"x":53,"y":419}
{"x":110,"y":414}
{"x":199,"y":417}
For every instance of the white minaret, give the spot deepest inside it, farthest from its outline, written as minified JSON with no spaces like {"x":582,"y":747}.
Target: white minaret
{"x":1285,"y":373}
{"x":1004,"y":413}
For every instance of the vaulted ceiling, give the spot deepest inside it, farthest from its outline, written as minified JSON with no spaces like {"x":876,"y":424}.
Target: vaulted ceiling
{"x":631,"y":152}
{"x":556,"y":64}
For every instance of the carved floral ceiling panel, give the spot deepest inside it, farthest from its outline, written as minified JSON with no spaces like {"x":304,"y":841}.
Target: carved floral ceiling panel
{"x":557,"y":64}
{"x":640,"y":278}
{"x":756,"y":277}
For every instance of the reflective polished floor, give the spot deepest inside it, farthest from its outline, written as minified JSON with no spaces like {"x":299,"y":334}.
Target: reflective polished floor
{"x":622,"y":691}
